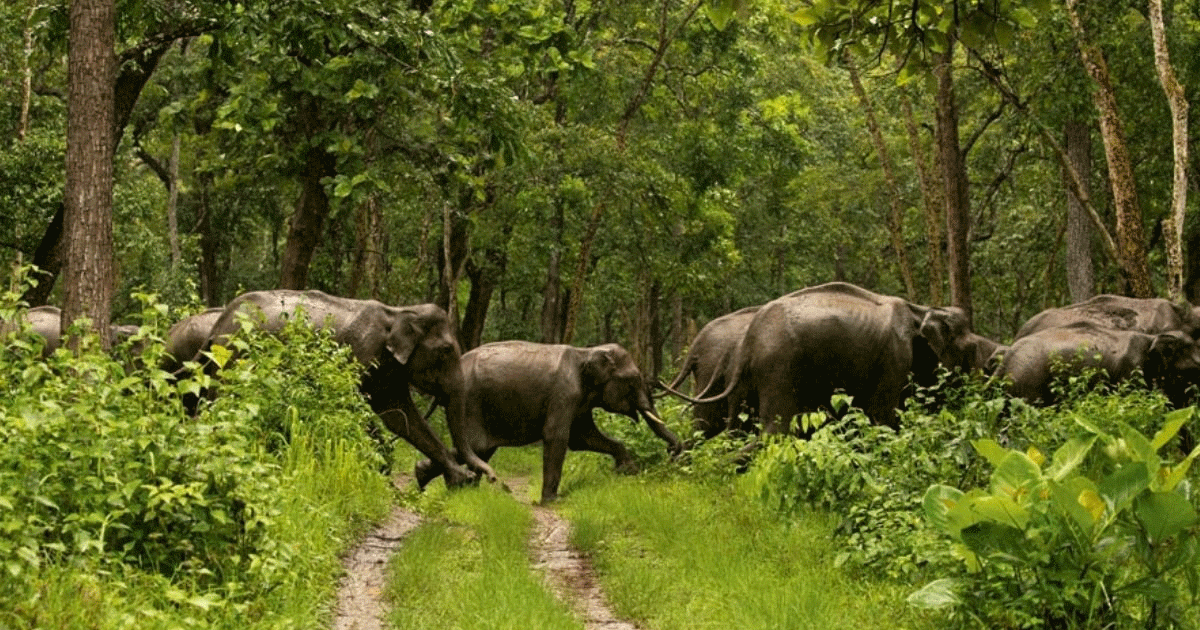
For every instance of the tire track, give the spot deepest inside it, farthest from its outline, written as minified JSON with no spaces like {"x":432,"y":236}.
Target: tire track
{"x":360,"y":604}
{"x":568,"y":572}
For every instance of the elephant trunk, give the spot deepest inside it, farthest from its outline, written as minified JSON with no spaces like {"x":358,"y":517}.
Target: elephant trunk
{"x":674,"y":445}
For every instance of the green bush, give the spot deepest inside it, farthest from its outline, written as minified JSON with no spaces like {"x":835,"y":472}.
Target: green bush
{"x":1102,"y":535}
{"x":103,"y":474}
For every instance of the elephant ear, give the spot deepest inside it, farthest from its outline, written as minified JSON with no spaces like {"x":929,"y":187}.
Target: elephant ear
{"x":599,"y":366}
{"x":402,"y":333}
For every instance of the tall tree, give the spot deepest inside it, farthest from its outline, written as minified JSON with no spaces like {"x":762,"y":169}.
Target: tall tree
{"x":1130,"y":234}
{"x":87,"y":200}
{"x":1177,"y":100}
{"x":1081,"y":282}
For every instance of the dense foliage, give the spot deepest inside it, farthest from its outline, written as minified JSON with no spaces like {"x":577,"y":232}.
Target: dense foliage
{"x":234,"y":516}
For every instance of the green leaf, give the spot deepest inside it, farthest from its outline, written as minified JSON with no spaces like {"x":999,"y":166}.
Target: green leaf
{"x":1000,"y":509}
{"x":720,"y":12}
{"x":937,"y":594}
{"x":1164,"y":514}
{"x":1068,"y":456}
{"x":1120,"y":488}
{"x":805,"y":16}
{"x":991,"y":451}
{"x":1139,"y":446}
{"x":1014,"y":475}
{"x":1173,"y":422}
{"x":939,"y":503}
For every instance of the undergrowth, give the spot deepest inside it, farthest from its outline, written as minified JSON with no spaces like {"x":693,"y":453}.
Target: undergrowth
{"x":118,"y":510}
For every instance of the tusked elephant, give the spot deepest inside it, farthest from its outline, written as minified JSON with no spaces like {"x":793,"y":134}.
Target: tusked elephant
{"x":802,"y":348}
{"x":186,"y":337}
{"x":401,"y":346}
{"x":1170,"y":361}
{"x":1147,"y":315}
{"x":519,"y":392}
{"x":707,"y":363}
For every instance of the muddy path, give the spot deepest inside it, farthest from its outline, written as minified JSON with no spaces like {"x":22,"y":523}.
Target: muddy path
{"x":360,"y":604}
{"x":568,"y":573}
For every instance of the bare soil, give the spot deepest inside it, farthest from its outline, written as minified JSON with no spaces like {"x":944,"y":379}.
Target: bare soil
{"x":360,"y":604}
{"x":568,"y":572}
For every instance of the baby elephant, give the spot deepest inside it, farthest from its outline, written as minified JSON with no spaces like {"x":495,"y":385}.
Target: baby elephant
{"x":518,"y":392}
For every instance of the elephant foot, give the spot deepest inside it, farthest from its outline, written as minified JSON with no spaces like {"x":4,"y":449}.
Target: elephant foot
{"x":627,"y":467}
{"x":457,"y":476}
{"x":424,"y":472}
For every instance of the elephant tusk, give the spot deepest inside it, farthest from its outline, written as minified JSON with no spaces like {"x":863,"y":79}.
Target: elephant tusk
{"x":650,"y":415}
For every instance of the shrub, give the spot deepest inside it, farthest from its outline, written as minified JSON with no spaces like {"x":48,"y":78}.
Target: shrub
{"x":101,"y":470}
{"x":1102,"y":535}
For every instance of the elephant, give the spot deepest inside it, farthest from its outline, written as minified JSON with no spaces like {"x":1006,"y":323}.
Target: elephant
{"x":519,"y":392}
{"x":1147,"y":315}
{"x":1170,"y":361}
{"x":46,"y":322}
{"x":802,"y":348}
{"x":187,"y":336}
{"x":401,"y":346}
{"x":707,"y":362}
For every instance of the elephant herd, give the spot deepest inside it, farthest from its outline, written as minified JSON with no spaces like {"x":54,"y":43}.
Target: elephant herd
{"x":770,"y":362}
{"x":775,"y":361}
{"x":509,"y":393}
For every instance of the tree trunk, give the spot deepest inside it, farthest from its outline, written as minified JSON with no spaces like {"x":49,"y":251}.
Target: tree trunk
{"x":369,"y":241}
{"x":895,"y":222}
{"x":1131,"y":239}
{"x":173,"y":205}
{"x":1177,"y":100}
{"x":552,"y":298}
{"x":87,"y":198}
{"x":26,"y":72}
{"x":1081,"y":282}
{"x":126,"y":88}
{"x":484,"y":280}
{"x":954,"y":179}
{"x":308,"y":221}
{"x":210,"y":243}
{"x":931,"y":199}
{"x":585,"y":255}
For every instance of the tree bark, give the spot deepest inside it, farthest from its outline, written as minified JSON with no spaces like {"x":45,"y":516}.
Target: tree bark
{"x":552,"y":298}
{"x":173,"y":205}
{"x":210,"y":245}
{"x":1081,"y":282}
{"x":585,"y":255}
{"x":934,"y":204}
{"x":954,"y":179}
{"x":141,"y":62}
{"x":1130,"y":234}
{"x":87,"y":198}
{"x":312,"y":208}
{"x":895,"y":221}
{"x":1177,"y":100}
{"x":26,"y":72}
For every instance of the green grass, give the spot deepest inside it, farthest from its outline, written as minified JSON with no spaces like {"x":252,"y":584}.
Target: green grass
{"x":673,"y":553}
{"x":469,"y":568}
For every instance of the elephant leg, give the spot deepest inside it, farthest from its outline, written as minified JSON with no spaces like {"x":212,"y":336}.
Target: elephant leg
{"x":427,"y":470}
{"x":586,"y":436}
{"x":777,"y":407}
{"x":406,"y":421}
{"x":554,"y":452}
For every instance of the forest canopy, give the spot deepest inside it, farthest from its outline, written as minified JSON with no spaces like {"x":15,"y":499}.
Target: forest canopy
{"x":607,"y":171}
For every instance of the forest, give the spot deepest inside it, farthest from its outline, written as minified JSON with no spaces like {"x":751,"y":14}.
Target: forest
{"x":584,"y":172}
{"x":590,"y":171}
